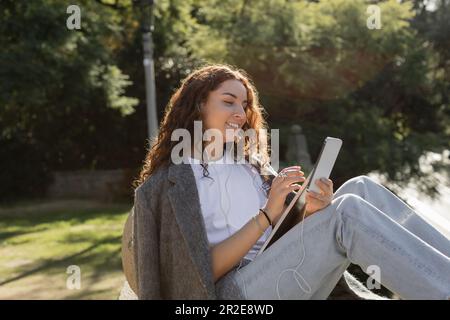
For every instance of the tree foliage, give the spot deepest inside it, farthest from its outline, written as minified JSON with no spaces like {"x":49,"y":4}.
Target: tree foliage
{"x":76,"y":99}
{"x":317,"y":64}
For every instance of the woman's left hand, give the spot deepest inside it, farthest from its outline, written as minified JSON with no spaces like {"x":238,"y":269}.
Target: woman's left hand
{"x":317,"y":201}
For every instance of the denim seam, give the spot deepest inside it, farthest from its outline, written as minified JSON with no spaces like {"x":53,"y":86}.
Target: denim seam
{"x":339,"y":237}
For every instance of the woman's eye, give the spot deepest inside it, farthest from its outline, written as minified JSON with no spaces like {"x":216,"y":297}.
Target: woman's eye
{"x":231,"y":103}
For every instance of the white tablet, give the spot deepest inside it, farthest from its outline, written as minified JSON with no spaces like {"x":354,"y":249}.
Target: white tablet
{"x":325,"y":162}
{"x":322,"y":168}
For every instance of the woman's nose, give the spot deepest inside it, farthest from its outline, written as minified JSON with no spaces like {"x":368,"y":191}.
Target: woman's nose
{"x":240,"y":114}
{"x":239,"y":117}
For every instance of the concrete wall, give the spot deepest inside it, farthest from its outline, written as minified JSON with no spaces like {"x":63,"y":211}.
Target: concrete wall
{"x":105,"y":185}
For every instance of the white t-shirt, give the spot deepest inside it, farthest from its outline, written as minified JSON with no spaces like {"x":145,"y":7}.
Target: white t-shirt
{"x":230,"y":199}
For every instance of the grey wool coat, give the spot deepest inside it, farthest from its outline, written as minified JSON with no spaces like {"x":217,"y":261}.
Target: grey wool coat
{"x":171,"y":248}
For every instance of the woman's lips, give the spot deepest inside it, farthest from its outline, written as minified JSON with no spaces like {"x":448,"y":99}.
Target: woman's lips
{"x":232,"y":125}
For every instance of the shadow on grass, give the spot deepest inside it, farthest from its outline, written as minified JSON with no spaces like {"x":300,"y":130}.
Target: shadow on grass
{"x":11,"y":234}
{"x":112,"y":261}
{"x":77,"y":216}
{"x":37,"y":223}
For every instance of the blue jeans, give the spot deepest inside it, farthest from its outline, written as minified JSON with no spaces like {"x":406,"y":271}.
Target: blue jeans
{"x":365,"y":224}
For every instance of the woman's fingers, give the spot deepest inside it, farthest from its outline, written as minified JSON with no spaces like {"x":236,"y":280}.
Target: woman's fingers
{"x":290,"y":175}
{"x":295,"y":174}
{"x":289,"y":170}
{"x":326,"y":185}
{"x":294,"y":187}
{"x":290,"y":184}
{"x":293,"y":179}
{"x":317,"y":196}
{"x":293,"y":168}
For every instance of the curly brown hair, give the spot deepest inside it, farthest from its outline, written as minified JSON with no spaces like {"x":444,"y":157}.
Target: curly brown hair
{"x":184,"y":108}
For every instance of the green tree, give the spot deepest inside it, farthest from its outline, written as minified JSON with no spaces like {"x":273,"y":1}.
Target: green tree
{"x":56,"y":85}
{"x":76,"y":99}
{"x":317,"y":63}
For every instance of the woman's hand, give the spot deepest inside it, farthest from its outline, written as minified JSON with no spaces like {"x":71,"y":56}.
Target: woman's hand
{"x":317,"y":201}
{"x":282,"y":185}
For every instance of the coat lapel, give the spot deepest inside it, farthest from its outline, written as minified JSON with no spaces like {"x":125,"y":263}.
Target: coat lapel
{"x":183,"y":195}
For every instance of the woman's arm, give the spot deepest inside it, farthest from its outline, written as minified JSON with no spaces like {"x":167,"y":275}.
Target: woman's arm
{"x":146,"y":246}
{"x":228,"y":253}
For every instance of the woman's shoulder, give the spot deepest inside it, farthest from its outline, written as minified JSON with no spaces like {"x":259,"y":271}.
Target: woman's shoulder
{"x":155,"y":183}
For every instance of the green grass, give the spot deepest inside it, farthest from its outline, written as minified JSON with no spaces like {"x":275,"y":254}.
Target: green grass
{"x":38,"y":242}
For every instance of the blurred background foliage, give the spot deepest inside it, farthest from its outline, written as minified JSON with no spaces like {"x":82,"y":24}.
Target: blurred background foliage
{"x":76,"y":99}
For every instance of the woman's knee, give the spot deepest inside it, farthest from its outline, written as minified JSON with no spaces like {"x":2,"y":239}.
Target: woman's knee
{"x":356,"y":185}
{"x":350,"y":204}
{"x":361,"y":179}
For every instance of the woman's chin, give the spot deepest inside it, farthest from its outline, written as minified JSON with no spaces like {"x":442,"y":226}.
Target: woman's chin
{"x":231,"y":137}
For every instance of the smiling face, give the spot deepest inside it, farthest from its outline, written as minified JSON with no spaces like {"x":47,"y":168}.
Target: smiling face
{"x":225,"y":108}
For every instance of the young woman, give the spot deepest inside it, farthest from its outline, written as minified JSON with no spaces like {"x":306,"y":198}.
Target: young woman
{"x":199,"y":223}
